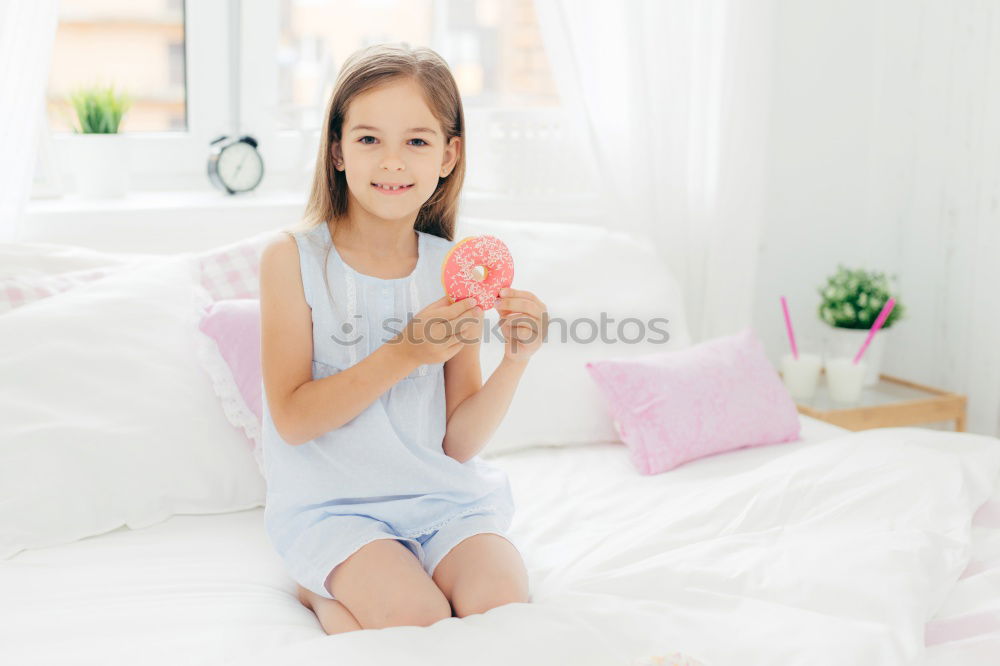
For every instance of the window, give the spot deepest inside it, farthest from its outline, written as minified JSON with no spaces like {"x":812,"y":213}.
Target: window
{"x":91,"y":41}
{"x":199,"y":70}
{"x":493,"y":48}
{"x":171,"y":57}
{"x":175,"y":59}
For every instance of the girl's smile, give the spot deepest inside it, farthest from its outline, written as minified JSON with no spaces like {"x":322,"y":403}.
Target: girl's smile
{"x":392,"y":189}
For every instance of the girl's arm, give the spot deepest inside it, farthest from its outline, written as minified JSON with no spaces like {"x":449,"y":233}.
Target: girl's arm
{"x":475,"y":411}
{"x":318,"y":406}
{"x":303,"y":408}
{"x":474,"y":420}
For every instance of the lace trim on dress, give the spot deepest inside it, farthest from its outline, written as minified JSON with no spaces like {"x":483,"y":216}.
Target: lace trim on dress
{"x":480,"y":508}
{"x":415,"y":299}
{"x":352,"y":308}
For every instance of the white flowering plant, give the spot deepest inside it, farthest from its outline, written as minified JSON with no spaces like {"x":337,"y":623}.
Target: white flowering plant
{"x":853,"y":298}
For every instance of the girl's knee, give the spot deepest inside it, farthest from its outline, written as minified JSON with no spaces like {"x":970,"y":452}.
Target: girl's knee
{"x":486,"y":594}
{"x":412,"y":613}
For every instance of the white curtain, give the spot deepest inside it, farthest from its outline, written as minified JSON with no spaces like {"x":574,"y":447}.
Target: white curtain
{"x":673,"y":97}
{"x":27,"y":31}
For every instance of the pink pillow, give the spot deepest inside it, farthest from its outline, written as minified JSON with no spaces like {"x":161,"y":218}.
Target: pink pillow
{"x":231,"y":356}
{"x":676,"y":406}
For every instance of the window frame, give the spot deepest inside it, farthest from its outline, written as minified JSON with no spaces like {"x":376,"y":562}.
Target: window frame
{"x":258,"y":29}
{"x":290,"y":154}
{"x":175,"y":159}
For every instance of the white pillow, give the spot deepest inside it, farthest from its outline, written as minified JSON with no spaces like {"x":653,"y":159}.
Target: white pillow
{"x":26,"y":260}
{"x":107,"y":418}
{"x":578,"y":271}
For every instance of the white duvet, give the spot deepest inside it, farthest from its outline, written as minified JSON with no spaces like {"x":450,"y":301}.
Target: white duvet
{"x":814,"y":552}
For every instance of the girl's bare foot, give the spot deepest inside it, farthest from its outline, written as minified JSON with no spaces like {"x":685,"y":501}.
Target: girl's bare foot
{"x":333,"y":616}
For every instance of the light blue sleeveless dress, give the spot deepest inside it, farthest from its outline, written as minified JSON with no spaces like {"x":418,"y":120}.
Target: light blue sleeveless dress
{"x":384,"y":473}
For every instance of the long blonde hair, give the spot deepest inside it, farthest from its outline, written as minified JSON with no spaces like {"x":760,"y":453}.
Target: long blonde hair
{"x":368,"y":68}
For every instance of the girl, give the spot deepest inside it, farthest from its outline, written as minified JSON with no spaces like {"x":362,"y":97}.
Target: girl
{"x":376,"y":501}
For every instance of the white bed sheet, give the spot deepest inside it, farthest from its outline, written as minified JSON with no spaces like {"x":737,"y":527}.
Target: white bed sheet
{"x":966,"y":629}
{"x":734,"y":559}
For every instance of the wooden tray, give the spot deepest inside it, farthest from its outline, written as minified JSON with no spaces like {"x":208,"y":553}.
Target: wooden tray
{"x":891,"y":402}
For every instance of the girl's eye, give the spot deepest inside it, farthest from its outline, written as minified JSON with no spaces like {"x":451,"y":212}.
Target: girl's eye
{"x":421,"y":144}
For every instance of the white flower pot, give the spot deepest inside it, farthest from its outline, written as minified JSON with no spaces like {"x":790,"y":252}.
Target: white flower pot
{"x":845,"y":342}
{"x":101,"y":165}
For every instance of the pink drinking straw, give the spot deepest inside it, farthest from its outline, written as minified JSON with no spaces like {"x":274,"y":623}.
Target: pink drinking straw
{"x":886,"y":309}
{"x":788,"y":327}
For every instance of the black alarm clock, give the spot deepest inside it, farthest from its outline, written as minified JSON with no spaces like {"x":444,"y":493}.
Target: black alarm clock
{"x":234,"y":165}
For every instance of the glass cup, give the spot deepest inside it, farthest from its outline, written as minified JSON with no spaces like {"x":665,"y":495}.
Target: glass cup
{"x":845,"y":379}
{"x":801,"y":374}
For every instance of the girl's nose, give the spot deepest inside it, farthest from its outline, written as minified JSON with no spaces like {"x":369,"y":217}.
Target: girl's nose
{"x":392,"y":164}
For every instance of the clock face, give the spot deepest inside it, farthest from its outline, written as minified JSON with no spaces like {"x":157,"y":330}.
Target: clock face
{"x":240,"y":166}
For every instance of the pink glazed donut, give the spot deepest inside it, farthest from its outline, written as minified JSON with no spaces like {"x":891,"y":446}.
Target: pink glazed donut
{"x":459,"y":275}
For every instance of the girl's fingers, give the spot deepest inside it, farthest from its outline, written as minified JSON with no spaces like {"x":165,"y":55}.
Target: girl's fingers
{"x":525,"y":305}
{"x":519,"y":293}
{"x":458,"y":308}
{"x":527,"y":331}
{"x":441,"y":304}
{"x":464,"y":331}
{"x":525,"y":317}
{"x":450,"y":325}
{"x":468,"y":332}
{"x":521,"y":319}
{"x":525,"y":321}
{"x":519,"y":331}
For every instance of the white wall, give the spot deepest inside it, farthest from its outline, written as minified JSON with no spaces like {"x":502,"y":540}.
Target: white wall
{"x":885,"y":149}
{"x":885,"y":153}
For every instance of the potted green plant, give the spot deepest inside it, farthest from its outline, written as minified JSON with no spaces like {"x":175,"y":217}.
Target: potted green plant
{"x":100,"y":151}
{"x":850,"y":302}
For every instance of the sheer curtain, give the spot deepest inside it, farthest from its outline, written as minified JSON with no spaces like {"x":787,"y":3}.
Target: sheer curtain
{"x":27,"y":31}
{"x":673,"y":98}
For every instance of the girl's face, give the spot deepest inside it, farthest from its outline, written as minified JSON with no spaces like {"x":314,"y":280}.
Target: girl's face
{"x":390,"y":137}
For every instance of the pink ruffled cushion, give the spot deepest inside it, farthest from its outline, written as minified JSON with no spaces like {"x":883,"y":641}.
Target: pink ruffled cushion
{"x":673,"y":407}
{"x":233,"y":361}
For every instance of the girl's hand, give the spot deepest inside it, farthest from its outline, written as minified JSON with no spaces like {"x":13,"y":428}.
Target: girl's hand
{"x":437,"y":332}
{"x":524,"y":322}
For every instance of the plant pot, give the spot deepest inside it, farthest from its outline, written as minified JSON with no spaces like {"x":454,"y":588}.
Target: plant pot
{"x":845,"y":342}
{"x":101,"y":165}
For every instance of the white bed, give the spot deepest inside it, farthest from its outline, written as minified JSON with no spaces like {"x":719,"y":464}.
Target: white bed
{"x":840,"y":548}
{"x":722,"y":558}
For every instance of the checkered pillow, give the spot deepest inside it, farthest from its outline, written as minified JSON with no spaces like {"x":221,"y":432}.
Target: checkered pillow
{"x":230,"y":271}
{"x":19,"y":290}
{"x":233,"y":271}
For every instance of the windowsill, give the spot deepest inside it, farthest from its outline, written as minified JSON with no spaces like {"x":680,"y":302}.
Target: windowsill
{"x":473,"y":203}
{"x":163,"y":201}
{"x":177,"y":221}
{"x":160,"y":221}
